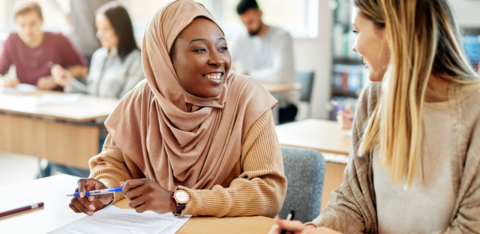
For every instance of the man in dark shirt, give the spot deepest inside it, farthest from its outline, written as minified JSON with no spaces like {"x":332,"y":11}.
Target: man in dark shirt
{"x":33,"y":51}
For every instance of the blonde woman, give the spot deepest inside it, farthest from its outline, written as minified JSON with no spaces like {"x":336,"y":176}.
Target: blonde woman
{"x":415,"y":162}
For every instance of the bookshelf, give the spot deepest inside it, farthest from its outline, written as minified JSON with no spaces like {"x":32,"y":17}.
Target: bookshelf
{"x":349,"y":75}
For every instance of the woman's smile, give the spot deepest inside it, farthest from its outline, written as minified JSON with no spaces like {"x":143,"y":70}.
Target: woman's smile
{"x":216,"y":77}
{"x":365,"y":62}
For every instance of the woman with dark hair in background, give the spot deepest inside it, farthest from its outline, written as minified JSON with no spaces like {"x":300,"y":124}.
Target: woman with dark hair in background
{"x":115,"y":68}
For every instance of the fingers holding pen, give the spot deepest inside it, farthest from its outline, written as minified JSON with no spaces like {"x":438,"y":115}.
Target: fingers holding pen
{"x":79,"y":207}
{"x":132,"y":184}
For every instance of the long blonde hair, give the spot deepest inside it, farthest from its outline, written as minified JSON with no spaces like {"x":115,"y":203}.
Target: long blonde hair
{"x":424,"y":39}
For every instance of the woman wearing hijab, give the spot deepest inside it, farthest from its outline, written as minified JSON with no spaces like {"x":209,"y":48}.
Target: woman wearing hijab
{"x":194,"y":138}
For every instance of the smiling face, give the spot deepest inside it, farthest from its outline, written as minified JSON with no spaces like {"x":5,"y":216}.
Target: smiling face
{"x":372,"y":45}
{"x":201,"y":58}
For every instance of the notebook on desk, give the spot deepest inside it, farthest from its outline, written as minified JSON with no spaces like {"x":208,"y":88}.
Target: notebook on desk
{"x":12,"y":205}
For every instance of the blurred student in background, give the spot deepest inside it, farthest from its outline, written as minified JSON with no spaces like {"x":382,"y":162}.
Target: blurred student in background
{"x":115,"y":69}
{"x":32,"y":51}
{"x":117,"y":66}
{"x":82,"y":22}
{"x":266,"y":54}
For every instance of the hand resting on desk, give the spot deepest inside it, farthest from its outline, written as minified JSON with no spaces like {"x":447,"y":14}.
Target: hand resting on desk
{"x":46,"y":83}
{"x":88,"y":204}
{"x":9,"y":82}
{"x":146,"y":194}
{"x":60,"y":75}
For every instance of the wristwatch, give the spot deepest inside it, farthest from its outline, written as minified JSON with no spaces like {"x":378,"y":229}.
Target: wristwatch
{"x":181,"y":198}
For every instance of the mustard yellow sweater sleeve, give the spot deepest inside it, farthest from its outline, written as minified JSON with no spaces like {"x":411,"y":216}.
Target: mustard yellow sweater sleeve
{"x":256,"y":186}
{"x":260,"y":185}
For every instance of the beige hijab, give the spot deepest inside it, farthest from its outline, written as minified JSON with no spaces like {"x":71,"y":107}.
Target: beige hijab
{"x":153,"y":127}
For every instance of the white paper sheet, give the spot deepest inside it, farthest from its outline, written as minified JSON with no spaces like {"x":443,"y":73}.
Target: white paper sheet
{"x":124,"y":221}
{"x":20,"y":89}
{"x":59,"y":98}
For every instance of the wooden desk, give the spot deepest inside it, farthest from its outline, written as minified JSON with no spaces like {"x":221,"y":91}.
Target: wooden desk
{"x":88,"y":108}
{"x":200,"y":225}
{"x":62,"y":133}
{"x":324,"y":136}
{"x":280,"y":88}
{"x":56,"y":213}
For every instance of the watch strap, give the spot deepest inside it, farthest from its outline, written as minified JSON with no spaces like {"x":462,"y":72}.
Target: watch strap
{"x":179,"y":210}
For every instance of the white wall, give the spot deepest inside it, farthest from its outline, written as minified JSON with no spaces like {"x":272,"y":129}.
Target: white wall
{"x":316,"y":54}
{"x":467,"y":12}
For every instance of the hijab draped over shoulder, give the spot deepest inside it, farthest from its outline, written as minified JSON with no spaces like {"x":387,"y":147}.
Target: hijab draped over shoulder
{"x":154,"y":127}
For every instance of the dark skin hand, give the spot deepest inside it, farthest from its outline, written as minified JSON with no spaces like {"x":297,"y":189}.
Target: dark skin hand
{"x":146,"y":194}
{"x":89,"y":204}
{"x":201,"y":58}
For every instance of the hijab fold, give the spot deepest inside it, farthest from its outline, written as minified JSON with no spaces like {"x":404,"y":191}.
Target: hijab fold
{"x":152,"y":124}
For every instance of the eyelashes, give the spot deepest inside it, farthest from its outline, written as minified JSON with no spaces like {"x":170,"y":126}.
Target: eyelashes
{"x":204,"y":50}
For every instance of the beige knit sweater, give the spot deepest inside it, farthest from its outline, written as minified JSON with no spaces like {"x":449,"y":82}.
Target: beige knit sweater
{"x":352,"y":206}
{"x":256,"y":186}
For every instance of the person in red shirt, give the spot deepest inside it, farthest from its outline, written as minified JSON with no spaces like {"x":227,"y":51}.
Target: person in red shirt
{"x":33,"y":51}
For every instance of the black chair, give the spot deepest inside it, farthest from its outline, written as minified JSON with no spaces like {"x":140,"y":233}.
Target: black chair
{"x":305,"y":78}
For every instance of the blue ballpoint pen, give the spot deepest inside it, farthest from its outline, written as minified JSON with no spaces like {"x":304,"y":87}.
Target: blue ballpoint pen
{"x":98,"y":192}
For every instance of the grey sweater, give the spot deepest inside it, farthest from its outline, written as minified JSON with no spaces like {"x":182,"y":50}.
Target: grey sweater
{"x":352,"y":207}
{"x":109,"y":75}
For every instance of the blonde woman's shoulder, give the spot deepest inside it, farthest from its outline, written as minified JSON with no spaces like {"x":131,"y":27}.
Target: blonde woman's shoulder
{"x":369,"y":97}
{"x":467,"y":104}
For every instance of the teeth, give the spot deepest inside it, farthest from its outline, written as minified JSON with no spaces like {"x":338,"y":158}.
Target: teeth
{"x":364,"y":60}
{"x":214,"y":77}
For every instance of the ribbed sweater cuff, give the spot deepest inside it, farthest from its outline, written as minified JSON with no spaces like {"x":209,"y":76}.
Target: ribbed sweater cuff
{"x":203,"y":203}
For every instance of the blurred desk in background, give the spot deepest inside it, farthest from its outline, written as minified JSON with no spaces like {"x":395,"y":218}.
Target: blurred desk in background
{"x":66,"y":134}
{"x":326,"y":137}
{"x":278,"y":89}
{"x":61,"y":133}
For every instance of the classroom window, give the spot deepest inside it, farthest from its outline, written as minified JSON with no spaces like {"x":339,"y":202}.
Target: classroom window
{"x":3,"y":14}
{"x":299,"y":17}
{"x":142,"y":10}
{"x":53,"y":20}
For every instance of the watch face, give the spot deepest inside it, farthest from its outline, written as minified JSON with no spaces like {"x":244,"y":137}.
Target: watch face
{"x":181,"y":196}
